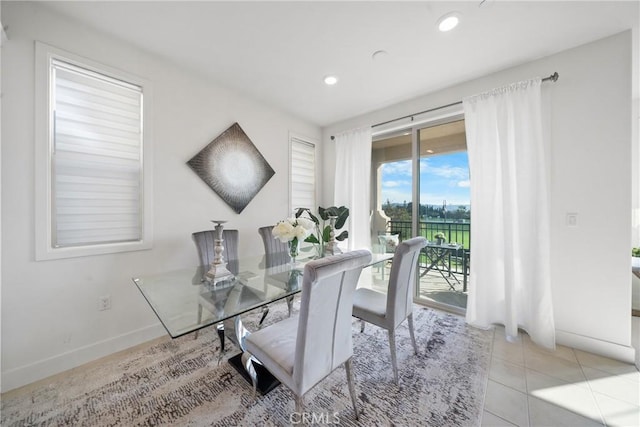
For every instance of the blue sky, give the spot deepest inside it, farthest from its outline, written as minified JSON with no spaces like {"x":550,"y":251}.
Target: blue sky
{"x":442,"y":177}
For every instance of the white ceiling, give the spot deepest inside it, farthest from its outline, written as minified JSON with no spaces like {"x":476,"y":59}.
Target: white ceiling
{"x":279,"y":52}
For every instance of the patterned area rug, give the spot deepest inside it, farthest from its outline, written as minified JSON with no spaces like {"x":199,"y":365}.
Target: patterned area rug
{"x":179,"y":382}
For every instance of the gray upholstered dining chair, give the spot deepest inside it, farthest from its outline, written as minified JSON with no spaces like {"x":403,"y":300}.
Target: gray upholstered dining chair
{"x":205,"y":242}
{"x":302,"y":350}
{"x":389,"y":311}
{"x":276,"y":253}
{"x":272,"y":246}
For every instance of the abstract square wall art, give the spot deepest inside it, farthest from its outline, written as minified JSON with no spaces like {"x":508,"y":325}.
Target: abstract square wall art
{"x":233,"y":167}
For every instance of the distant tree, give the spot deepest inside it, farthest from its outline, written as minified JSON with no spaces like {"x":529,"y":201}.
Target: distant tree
{"x":403,"y":212}
{"x":462,"y":213}
{"x":433,"y":212}
{"x":397,"y":212}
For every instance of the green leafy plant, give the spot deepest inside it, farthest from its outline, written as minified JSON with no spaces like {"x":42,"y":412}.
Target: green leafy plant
{"x":323,"y":229}
{"x":439,"y":235}
{"x":635,"y":252}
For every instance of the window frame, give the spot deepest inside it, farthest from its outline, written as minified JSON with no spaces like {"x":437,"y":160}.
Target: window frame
{"x":44,"y":247}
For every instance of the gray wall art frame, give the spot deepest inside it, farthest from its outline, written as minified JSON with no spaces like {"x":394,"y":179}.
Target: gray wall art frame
{"x":233,"y":167}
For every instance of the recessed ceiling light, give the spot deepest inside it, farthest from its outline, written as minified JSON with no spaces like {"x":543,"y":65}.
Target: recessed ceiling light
{"x":379,"y":54}
{"x":448,"y":22}
{"x":330,"y":80}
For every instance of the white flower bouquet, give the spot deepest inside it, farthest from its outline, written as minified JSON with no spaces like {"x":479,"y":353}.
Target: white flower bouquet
{"x":293,"y":228}
{"x":293,"y":231}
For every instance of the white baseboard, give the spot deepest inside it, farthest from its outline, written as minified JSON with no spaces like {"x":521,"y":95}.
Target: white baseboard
{"x":635,"y":338}
{"x":623,"y":353}
{"x":39,"y":370}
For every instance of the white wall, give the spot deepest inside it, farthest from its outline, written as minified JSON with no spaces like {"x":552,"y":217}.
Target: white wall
{"x":50,"y":320}
{"x":1,"y":45}
{"x":635,"y":135}
{"x":590,"y":174}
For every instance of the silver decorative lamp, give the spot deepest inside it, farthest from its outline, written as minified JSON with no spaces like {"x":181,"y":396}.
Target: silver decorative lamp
{"x":218,"y":271}
{"x":332,"y":246}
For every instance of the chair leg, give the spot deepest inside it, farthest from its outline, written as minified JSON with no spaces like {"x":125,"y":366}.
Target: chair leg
{"x":361,"y":325}
{"x":195,"y":336}
{"x":392,"y":346}
{"x":265,"y":311}
{"x":290,"y":304}
{"x":299,"y":404}
{"x":411,"y":332}
{"x":352,"y":386}
{"x":255,"y":389}
{"x":220,"y":330}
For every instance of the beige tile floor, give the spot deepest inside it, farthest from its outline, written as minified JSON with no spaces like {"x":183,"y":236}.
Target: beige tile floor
{"x":530,"y":386}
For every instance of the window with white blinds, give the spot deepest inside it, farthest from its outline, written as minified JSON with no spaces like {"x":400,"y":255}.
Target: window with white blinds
{"x":95,"y":162}
{"x":303,"y":174}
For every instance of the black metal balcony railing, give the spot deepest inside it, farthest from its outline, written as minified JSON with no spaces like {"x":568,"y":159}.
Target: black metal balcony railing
{"x":458,"y":232}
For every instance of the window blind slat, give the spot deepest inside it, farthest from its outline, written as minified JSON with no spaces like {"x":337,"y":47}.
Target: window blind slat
{"x":86,"y":85}
{"x":106,"y":123}
{"x":92,"y":107}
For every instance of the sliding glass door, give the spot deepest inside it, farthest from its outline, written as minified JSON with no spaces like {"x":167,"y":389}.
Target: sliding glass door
{"x":421,"y":187}
{"x":444,"y":214}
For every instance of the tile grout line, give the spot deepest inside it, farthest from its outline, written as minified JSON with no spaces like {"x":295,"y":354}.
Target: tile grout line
{"x":525,"y":393}
{"x":486,"y":384}
{"x":505,"y":420}
{"x":591,"y":390}
{"x":526,"y":383}
{"x":588,"y":386}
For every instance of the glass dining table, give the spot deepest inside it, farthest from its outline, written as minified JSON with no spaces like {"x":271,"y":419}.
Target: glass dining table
{"x":186,"y":301}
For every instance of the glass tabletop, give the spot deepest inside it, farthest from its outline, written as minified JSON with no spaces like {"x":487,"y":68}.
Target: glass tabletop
{"x":185,"y":302}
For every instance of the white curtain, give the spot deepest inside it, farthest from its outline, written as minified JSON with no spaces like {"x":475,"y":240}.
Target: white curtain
{"x":353,"y":182}
{"x":510,"y":237}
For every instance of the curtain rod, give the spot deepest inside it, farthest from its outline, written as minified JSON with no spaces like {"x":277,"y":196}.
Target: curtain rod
{"x":553,"y":78}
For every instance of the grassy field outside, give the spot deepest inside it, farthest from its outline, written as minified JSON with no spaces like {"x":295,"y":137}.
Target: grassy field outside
{"x":455,"y":232}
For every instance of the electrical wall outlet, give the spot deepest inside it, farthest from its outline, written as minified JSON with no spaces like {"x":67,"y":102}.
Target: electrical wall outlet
{"x":572,"y":219}
{"x":104,"y":302}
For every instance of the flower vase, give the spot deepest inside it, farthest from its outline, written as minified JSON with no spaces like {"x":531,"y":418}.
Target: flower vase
{"x":294,"y":248}
{"x":320,"y":249}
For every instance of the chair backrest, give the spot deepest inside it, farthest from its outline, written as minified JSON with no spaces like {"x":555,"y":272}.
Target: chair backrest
{"x":402,"y":278}
{"x":271,"y":244}
{"x":324,"y":326}
{"x":205,"y":242}
{"x":276,"y":252}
